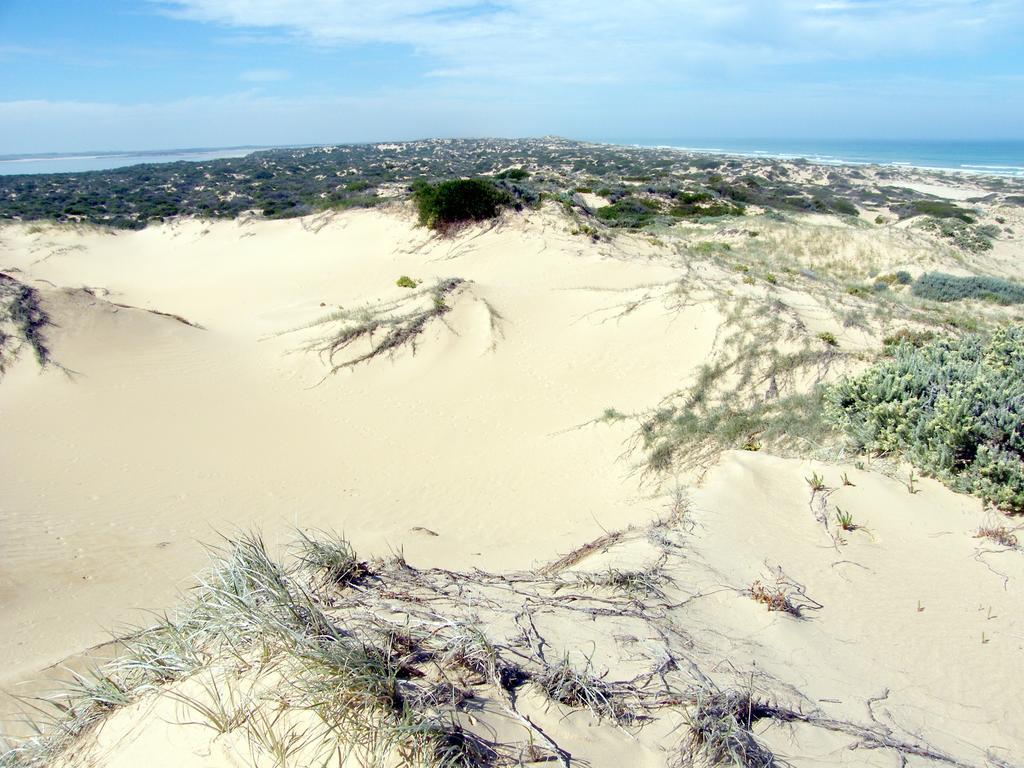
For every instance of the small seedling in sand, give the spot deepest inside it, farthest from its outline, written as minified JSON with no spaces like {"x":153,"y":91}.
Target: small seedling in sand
{"x":845,"y":520}
{"x":910,"y":483}
{"x":752,"y":444}
{"x":406,"y":282}
{"x":829,"y":338}
{"x":846,"y":480}
{"x":817,"y":482}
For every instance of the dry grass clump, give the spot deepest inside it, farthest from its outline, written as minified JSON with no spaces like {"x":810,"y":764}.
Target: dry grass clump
{"x":22,"y":321}
{"x":720,"y":730}
{"x":387,"y":327}
{"x":643,"y":582}
{"x":773,"y":596}
{"x":782,"y":594}
{"x":1000,"y":534}
{"x":579,"y":689}
{"x":367,"y":686}
{"x":396,"y":670}
{"x":332,"y":557}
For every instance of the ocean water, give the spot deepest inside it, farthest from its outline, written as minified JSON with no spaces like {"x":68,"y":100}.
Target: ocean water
{"x":1002,"y":158}
{"x":101,"y":161}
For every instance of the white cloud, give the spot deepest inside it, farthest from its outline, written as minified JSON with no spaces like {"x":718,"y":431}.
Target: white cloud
{"x":264,"y":76}
{"x":520,"y":39}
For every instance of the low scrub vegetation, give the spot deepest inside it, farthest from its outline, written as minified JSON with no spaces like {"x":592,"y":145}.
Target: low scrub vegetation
{"x":939,"y":209}
{"x":629,"y":212}
{"x":457,"y":201}
{"x":939,"y":286}
{"x":952,"y":407}
{"x":967,"y":237}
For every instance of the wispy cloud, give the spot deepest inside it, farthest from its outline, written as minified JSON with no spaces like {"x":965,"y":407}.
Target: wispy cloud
{"x":264,"y":75}
{"x":570,"y":37}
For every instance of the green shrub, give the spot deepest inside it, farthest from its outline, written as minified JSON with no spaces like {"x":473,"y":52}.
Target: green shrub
{"x":457,"y":200}
{"x":953,"y":407}
{"x":907,"y":336}
{"x":941,"y":210}
{"x":630,"y":212}
{"x":964,"y":236}
{"x":405,"y":282}
{"x":700,"y":209}
{"x":939,"y":286}
{"x":844,"y":207}
{"x":829,"y":338}
{"x":513,"y":174}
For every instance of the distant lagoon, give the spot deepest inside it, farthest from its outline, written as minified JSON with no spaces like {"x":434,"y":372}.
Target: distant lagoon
{"x":1000,"y":158}
{"x":79,"y":162}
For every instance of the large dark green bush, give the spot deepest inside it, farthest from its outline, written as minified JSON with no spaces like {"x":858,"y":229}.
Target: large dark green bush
{"x":455,"y":201}
{"x":953,"y":407}
{"x":938,"y":286}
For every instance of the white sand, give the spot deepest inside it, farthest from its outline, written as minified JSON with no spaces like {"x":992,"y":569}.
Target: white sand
{"x":166,"y":434}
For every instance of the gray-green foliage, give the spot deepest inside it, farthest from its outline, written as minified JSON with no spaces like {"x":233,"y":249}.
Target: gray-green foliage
{"x":939,"y":286}
{"x":953,"y":407}
{"x":964,"y":235}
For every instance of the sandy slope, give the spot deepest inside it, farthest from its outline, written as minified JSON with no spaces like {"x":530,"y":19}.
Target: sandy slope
{"x":478,"y":451}
{"x":167,"y":433}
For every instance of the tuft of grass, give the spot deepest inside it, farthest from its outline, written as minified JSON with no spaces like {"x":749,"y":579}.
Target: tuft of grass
{"x":565,"y":684}
{"x":845,"y":520}
{"x":816,"y":482}
{"x":331,"y":556}
{"x":721,"y":725}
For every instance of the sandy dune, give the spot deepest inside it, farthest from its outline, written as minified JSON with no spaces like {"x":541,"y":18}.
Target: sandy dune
{"x":166,"y":434}
{"x":187,"y":406}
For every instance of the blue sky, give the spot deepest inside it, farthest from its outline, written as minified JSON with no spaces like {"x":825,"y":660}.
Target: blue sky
{"x":144,"y":74}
